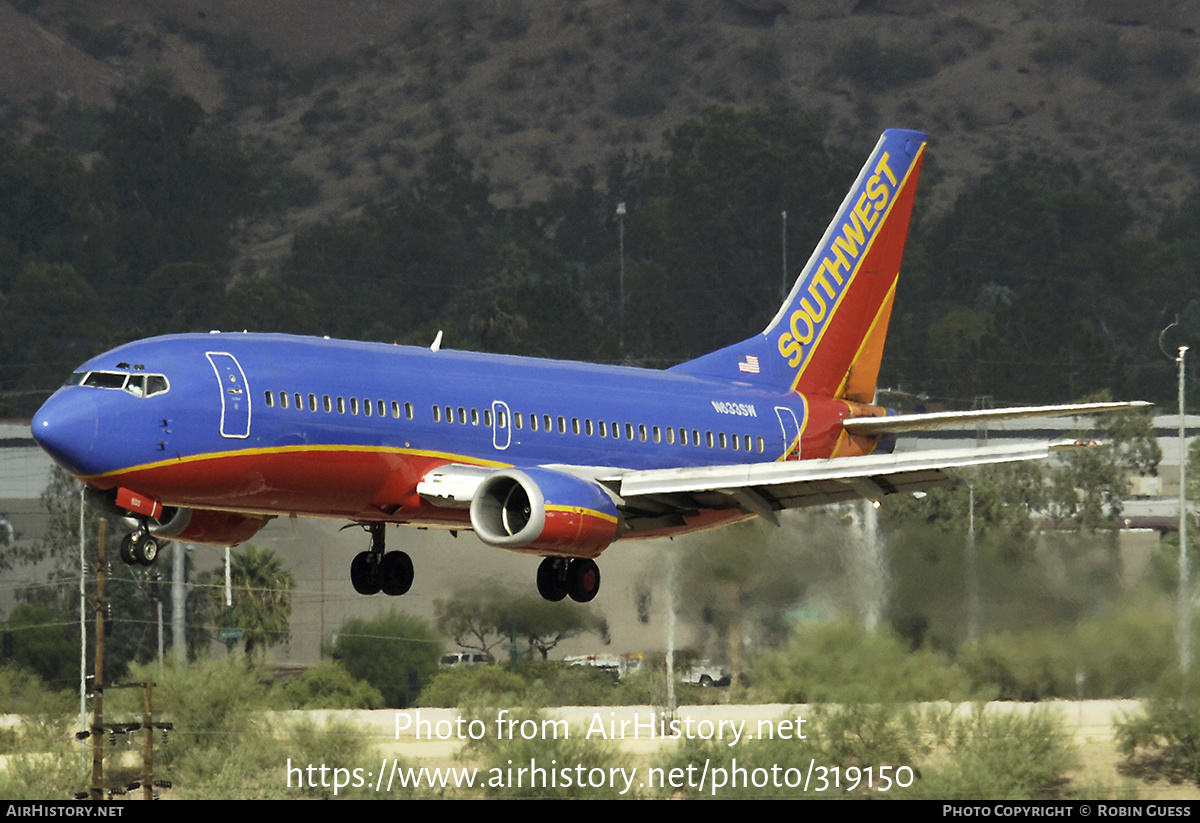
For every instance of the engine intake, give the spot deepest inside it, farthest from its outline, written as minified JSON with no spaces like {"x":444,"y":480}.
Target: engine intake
{"x":546,"y":512}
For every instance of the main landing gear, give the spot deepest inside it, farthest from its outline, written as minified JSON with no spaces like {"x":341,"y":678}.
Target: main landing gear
{"x":375,"y":571}
{"x":139,"y":548}
{"x":578,"y":577}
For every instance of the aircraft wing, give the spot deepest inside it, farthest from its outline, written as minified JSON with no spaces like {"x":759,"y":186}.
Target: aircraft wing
{"x":651,"y":498}
{"x":896,"y":424}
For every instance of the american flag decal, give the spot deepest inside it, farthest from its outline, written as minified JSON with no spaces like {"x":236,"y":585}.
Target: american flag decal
{"x":749,"y":365}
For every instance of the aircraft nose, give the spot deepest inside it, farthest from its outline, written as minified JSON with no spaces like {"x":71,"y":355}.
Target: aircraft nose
{"x":66,"y":427}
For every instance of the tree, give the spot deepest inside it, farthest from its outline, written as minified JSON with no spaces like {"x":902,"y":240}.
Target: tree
{"x":262,"y":597}
{"x":1091,"y":483}
{"x":740,"y":581}
{"x":395,"y":652}
{"x":481,"y":618}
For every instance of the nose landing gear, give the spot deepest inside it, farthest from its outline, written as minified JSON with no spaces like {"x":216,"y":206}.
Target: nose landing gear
{"x":139,"y":548}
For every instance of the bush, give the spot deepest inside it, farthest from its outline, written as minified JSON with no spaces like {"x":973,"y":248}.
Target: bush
{"x":1168,"y":61}
{"x":872,"y":68}
{"x":1111,"y":64}
{"x":326,"y":686}
{"x":844,"y":663}
{"x":1056,"y":51}
{"x":637,"y":101}
{"x":396,"y":653}
{"x":1186,"y":107}
{"x":484,"y":685}
{"x":1163,"y":741}
{"x":1108,"y":656}
{"x":536,"y":683}
{"x":558,"y":752}
{"x":855,"y":738}
{"x":1000,"y":755}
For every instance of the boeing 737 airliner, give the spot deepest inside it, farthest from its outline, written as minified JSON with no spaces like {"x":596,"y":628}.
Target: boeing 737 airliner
{"x":205,"y":437}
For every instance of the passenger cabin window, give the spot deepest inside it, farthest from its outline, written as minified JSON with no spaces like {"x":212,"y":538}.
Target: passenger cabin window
{"x":341,"y":406}
{"x":312,"y":402}
{"x":354,"y":405}
{"x":270,"y":400}
{"x":408,"y":410}
{"x":283,"y":400}
{"x":328,"y":403}
{"x":437,"y":414}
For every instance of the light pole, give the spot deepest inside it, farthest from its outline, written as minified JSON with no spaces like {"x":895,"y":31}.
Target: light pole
{"x":621,"y":230}
{"x":1183,"y":604}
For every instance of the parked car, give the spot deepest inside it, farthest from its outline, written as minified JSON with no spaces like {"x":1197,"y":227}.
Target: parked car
{"x":455,"y":659}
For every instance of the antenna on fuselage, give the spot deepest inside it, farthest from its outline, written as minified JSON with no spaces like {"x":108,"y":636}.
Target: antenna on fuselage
{"x":437,"y":341}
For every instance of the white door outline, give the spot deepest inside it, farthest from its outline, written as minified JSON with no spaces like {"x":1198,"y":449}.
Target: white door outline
{"x":235,"y":394}
{"x":791,"y":432}
{"x":501,"y":425}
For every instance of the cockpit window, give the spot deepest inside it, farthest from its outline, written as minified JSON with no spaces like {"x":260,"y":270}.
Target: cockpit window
{"x":105,"y":380}
{"x":139,"y":385}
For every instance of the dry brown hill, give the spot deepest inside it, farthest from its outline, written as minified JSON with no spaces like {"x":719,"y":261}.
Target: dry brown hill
{"x":355,"y":90}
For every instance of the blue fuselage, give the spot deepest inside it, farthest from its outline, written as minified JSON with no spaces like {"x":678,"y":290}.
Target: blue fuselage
{"x":265,"y":422}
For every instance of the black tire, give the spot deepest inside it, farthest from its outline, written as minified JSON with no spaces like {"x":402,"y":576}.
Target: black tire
{"x":364,"y":575}
{"x":550,"y":583}
{"x":583,"y":580}
{"x":395,"y":573}
{"x":705,"y":681}
{"x":126,"y":551}
{"x":144,"y":549}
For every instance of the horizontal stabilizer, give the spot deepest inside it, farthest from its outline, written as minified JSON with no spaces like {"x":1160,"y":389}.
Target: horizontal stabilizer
{"x":897,"y":424}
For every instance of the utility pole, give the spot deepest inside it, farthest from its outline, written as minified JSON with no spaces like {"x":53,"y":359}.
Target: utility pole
{"x":97,"y":789}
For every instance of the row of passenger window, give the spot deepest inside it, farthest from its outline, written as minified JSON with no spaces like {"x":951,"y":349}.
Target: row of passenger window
{"x":546,"y":423}
{"x":367,"y":407}
{"x":602,"y":428}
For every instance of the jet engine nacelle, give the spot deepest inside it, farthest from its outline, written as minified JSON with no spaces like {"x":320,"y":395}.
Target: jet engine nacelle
{"x":546,"y":512}
{"x":206,"y":526}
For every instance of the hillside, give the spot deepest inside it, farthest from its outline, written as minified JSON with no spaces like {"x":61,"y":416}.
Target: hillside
{"x":354,"y":91}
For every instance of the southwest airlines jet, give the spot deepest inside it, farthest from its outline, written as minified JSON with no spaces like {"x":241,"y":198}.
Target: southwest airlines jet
{"x":205,"y":437}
